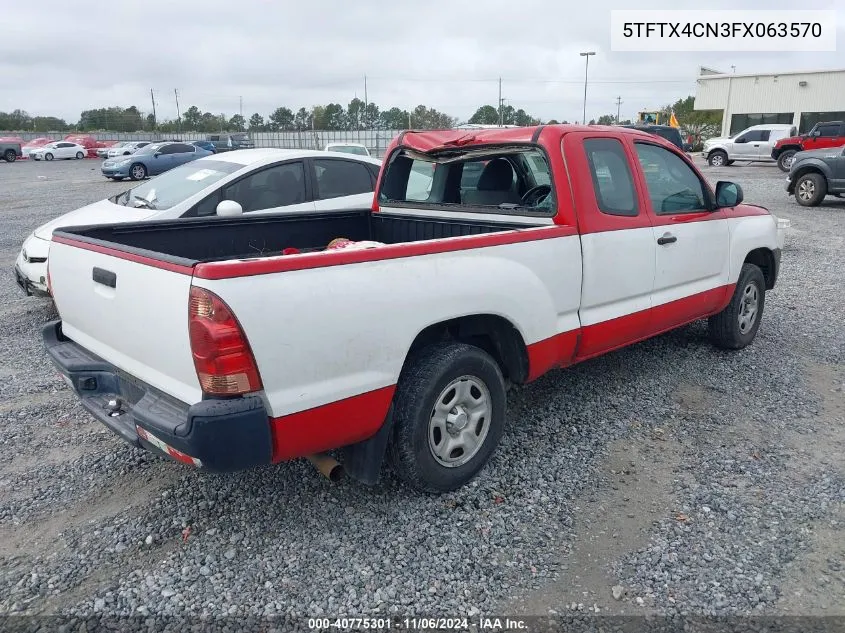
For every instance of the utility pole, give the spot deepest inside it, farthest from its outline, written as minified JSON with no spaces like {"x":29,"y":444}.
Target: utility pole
{"x":410,"y":127}
{"x":241,"y":106}
{"x":178,"y":113}
{"x":366,"y":102}
{"x":152,"y":96}
{"x":500,"y":102}
{"x":586,"y":55}
{"x":618,"y":105}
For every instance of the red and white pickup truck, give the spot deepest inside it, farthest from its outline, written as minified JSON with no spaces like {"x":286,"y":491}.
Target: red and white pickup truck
{"x":234,"y":342}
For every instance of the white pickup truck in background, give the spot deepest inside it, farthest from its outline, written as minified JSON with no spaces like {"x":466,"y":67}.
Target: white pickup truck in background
{"x":231,"y":342}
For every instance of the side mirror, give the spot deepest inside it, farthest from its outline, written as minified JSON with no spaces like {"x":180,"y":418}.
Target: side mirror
{"x":816,"y":134}
{"x":741,"y":139}
{"x":157,"y":154}
{"x":229,"y":208}
{"x":728,"y":194}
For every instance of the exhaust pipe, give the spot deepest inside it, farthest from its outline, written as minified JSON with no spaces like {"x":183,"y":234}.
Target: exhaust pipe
{"x":328,"y":466}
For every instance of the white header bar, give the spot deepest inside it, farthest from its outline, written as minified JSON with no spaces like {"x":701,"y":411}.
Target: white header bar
{"x":723,"y":31}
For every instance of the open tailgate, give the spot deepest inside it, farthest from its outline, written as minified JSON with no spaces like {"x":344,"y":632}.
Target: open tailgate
{"x":130,"y":310}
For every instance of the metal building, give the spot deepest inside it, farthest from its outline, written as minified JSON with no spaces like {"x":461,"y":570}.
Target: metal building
{"x":801,"y":98}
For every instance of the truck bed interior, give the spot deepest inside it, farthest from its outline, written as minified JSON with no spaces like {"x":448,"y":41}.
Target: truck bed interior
{"x":192,"y":240}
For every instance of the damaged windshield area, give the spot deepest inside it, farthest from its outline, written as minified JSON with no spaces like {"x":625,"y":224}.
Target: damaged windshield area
{"x":509,"y":179}
{"x":176,"y":185}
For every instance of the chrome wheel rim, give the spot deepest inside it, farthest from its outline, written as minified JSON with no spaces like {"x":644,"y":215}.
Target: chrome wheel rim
{"x":748,"y":308}
{"x":460,"y":421}
{"x":717,"y":160}
{"x":806,"y":189}
{"x":138,"y":172}
{"x":787,"y":161}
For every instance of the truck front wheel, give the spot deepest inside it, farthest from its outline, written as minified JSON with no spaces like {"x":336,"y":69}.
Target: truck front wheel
{"x":785,"y":159}
{"x":449,"y":413}
{"x":717,"y":158}
{"x":737,"y":325}
{"x":10,"y":156}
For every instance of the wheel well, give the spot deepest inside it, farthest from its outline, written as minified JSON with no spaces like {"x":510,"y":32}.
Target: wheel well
{"x":494,"y":334}
{"x":716,"y":149}
{"x":809,"y":169}
{"x":781,"y":150}
{"x":764,"y":259}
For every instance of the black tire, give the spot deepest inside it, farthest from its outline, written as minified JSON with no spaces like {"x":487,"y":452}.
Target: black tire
{"x":48,"y":156}
{"x":810,"y":190}
{"x":717,"y":158}
{"x":79,"y":155}
{"x":117,"y":178}
{"x":785,"y":160}
{"x":10,"y":156}
{"x":426,"y":377}
{"x":726,"y":329}
{"x":137,"y":171}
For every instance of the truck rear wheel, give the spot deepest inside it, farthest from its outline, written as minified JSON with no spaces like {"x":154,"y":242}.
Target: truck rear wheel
{"x":737,"y":325}
{"x":785,"y":159}
{"x":10,"y":156}
{"x":449,"y":412}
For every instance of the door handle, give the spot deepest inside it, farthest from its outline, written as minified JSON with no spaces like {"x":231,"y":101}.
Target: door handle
{"x":105,"y":277}
{"x":667,"y":238}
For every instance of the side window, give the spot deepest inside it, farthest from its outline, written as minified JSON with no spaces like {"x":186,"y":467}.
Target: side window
{"x":214,"y":137}
{"x":276,"y":186}
{"x":828,"y":130}
{"x":168,"y":149}
{"x":673,"y":186}
{"x":612,"y":180}
{"x":181,"y":148}
{"x":764,"y":135}
{"x":336,"y":178}
{"x":753,"y":136}
{"x":65,"y":145}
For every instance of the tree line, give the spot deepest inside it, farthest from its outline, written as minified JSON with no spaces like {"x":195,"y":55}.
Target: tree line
{"x":333,"y":116}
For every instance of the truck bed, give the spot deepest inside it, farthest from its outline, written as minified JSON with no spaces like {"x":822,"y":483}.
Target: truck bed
{"x":193,"y":240}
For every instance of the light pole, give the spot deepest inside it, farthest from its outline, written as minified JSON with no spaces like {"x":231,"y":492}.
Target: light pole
{"x":586,"y":70}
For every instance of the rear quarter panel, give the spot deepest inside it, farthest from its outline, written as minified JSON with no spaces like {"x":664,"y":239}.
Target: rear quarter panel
{"x":323,"y":334}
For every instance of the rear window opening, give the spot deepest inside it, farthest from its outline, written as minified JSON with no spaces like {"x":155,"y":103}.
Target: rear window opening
{"x":508,"y":179}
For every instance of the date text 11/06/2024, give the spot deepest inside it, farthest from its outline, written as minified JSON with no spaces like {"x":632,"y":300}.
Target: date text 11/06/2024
{"x":417,"y":624}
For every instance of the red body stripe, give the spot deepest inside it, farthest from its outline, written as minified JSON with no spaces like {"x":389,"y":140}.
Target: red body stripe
{"x":330,"y":426}
{"x":556,"y":351}
{"x":113,"y":252}
{"x":632,"y":328}
{"x":230,"y":269}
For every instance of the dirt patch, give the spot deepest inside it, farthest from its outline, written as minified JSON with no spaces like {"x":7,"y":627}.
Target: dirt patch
{"x":815,"y":582}
{"x":639,"y":475}
{"x":44,"y":537}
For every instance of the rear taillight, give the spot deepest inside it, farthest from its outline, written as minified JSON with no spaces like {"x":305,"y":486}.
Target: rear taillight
{"x":222,"y":356}
{"x":49,"y":285}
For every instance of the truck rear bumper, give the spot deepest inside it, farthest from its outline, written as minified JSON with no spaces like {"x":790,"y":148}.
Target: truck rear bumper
{"x":217,"y":435}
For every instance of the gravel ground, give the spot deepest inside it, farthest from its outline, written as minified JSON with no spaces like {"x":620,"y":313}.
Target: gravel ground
{"x":672,"y":476}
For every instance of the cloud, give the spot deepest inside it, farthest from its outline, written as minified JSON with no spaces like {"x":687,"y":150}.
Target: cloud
{"x":58,"y":57}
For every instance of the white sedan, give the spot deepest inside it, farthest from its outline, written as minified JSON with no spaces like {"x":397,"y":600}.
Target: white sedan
{"x":241,"y":181}
{"x":59,"y":149}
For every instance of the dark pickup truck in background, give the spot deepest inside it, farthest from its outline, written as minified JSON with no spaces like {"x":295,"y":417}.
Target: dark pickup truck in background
{"x":815,"y":174}
{"x":227,"y":142}
{"x":10,"y":151}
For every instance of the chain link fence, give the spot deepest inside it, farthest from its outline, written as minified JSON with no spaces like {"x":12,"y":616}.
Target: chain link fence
{"x":376,"y":141}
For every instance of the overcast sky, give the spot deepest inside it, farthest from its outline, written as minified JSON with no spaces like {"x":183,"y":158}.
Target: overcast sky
{"x":58,"y":57}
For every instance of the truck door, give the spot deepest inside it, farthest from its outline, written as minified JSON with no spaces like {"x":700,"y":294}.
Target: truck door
{"x":692,"y":241}
{"x":617,"y":242}
{"x":824,"y":135}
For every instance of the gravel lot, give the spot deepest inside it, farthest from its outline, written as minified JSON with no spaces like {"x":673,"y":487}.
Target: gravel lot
{"x":667,"y":478}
